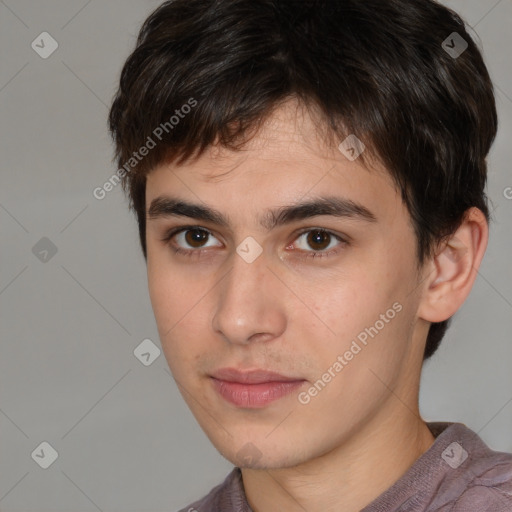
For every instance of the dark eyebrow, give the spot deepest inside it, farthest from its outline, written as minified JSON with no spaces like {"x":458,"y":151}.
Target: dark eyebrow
{"x":165,"y":206}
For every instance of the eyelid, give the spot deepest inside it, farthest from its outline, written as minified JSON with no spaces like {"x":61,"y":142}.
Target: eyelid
{"x":340,"y":237}
{"x":343,"y":239}
{"x":175,"y":231}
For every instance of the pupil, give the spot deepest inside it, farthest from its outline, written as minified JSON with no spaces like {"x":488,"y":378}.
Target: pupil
{"x":196,"y":237}
{"x":315,"y":238}
{"x":200,"y":237}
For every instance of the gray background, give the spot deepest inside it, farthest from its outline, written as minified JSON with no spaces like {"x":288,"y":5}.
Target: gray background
{"x":68,"y":374}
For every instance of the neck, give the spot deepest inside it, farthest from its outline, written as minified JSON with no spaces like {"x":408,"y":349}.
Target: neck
{"x":380,"y":452}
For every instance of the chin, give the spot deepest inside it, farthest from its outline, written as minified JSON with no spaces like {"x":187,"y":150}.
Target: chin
{"x":259,"y":455}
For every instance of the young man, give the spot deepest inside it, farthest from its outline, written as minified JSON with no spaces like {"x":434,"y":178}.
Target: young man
{"x":308,"y":178}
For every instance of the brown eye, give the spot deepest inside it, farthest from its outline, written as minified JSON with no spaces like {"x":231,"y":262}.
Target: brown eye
{"x":319,"y":243}
{"x":190,"y":240}
{"x":196,"y":237}
{"x":318,"y":240}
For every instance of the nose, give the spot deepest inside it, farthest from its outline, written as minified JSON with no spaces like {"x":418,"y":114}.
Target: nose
{"x":250,"y":305}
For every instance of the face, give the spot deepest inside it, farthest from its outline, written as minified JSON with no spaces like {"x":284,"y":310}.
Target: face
{"x":325,"y":296}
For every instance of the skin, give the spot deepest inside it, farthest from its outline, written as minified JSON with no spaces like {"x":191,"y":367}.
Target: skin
{"x":295,"y":315}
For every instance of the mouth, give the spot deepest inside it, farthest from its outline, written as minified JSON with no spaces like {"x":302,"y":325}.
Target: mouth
{"x":253,"y":389}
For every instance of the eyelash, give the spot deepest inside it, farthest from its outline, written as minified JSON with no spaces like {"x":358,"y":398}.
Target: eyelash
{"x":197,"y":252}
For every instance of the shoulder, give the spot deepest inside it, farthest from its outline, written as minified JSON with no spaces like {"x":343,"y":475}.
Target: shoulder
{"x":459,"y":473}
{"x":489,"y":488}
{"x":483,"y":499}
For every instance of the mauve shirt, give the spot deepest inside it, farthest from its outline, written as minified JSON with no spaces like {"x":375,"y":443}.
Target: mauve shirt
{"x":458,"y":473}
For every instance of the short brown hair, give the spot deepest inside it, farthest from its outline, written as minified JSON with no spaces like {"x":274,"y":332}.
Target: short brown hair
{"x":378,"y":69}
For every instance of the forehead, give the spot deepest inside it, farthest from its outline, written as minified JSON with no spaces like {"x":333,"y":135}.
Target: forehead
{"x":291,"y":133}
{"x":286,"y":160}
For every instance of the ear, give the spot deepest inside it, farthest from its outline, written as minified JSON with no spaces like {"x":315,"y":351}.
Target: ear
{"x":454,"y":268}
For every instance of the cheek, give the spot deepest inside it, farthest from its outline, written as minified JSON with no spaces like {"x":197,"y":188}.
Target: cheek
{"x":169,"y":290}
{"x":161,"y":295}
{"x":347,"y":307}
{"x":177,"y":306}
{"x":346,"y":302}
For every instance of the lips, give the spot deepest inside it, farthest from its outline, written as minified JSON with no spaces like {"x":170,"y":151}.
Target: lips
{"x":253,"y":389}
{"x":257,"y":376}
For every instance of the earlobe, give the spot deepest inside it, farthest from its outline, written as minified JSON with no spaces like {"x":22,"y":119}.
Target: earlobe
{"x":454,"y":268}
